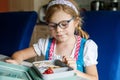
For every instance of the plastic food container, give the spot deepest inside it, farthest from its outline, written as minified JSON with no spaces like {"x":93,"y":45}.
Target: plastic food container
{"x":58,"y":72}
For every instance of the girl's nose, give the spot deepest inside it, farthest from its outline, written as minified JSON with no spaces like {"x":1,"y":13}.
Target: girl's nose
{"x":58,"y":28}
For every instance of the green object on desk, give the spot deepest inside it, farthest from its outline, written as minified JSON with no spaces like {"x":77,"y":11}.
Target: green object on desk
{"x":16,"y":72}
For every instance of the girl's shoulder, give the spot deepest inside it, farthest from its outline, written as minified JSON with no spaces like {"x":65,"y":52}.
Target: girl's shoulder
{"x":90,"y":52}
{"x":44,"y":40}
{"x":41,"y":46}
{"x":90,"y":42}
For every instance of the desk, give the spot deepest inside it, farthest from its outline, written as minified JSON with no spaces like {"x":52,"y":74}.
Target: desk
{"x":24,"y":63}
{"x":26,"y":68}
{"x":2,"y":57}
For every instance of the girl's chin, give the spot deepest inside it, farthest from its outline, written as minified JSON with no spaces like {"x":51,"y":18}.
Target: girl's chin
{"x":61,"y":39}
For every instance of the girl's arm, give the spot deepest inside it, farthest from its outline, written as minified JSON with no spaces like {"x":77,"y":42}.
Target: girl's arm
{"x":90,"y":71}
{"x":21,"y":55}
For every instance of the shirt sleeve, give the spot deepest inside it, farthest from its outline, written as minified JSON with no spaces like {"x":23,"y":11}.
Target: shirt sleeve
{"x":40,"y":46}
{"x":90,"y":53}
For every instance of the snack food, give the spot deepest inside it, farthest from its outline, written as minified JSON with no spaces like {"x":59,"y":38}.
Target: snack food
{"x":48,"y":71}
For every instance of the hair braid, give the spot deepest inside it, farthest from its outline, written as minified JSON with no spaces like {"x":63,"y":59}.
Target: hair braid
{"x":82,"y":33}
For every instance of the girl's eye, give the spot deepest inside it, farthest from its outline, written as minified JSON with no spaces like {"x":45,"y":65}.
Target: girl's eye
{"x":51,"y":25}
{"x":64,"y":23}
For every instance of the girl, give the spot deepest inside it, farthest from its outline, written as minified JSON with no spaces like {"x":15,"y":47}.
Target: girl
{"x":67,"y":39}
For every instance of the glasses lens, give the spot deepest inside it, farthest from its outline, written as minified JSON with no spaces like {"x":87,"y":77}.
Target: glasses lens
{"x":52,"y":26}
{"x":64,"y":24}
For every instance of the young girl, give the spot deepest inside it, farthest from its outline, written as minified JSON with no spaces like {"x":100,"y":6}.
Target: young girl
{"x":67,"y":39}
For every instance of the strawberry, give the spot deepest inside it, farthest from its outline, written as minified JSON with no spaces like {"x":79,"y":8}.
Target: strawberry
{"x":48,"y":71}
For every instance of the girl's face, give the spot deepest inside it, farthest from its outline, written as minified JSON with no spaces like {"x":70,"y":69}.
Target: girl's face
{"x":62,"y":26}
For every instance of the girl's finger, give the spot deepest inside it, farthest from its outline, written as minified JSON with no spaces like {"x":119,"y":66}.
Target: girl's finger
{"x":11,"y":61}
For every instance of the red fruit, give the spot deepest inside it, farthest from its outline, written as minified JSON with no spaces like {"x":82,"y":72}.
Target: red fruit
{"x":48,"y":71}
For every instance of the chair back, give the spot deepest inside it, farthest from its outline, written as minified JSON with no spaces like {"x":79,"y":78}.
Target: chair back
{"x":104,"y":28}
{"x":16,"y":30}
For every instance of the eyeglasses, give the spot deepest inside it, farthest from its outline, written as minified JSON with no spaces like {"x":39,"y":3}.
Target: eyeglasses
{"x":62,"y":24}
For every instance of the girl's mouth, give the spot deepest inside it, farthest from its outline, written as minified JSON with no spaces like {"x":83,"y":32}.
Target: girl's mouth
{"x":59,"y":35}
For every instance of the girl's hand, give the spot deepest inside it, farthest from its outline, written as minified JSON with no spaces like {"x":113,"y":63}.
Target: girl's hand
{"x":12,"y":61}
{"x":70,"y":62}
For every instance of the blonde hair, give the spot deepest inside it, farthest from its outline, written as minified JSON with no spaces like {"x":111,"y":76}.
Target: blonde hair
{"x":57,"y":7}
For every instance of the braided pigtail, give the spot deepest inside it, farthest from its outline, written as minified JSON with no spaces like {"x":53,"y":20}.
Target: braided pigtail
{"x":79,"y":31}
{"x":82,"y":33}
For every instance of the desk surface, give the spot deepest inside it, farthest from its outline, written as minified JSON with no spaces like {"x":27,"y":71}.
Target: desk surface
{"x":2,"y":57}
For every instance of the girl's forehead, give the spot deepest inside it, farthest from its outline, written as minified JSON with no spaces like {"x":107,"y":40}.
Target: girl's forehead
{"x":59,"y":16}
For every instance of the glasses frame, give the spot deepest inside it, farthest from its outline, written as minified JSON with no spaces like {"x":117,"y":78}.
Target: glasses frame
{"x":59,"y":24}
